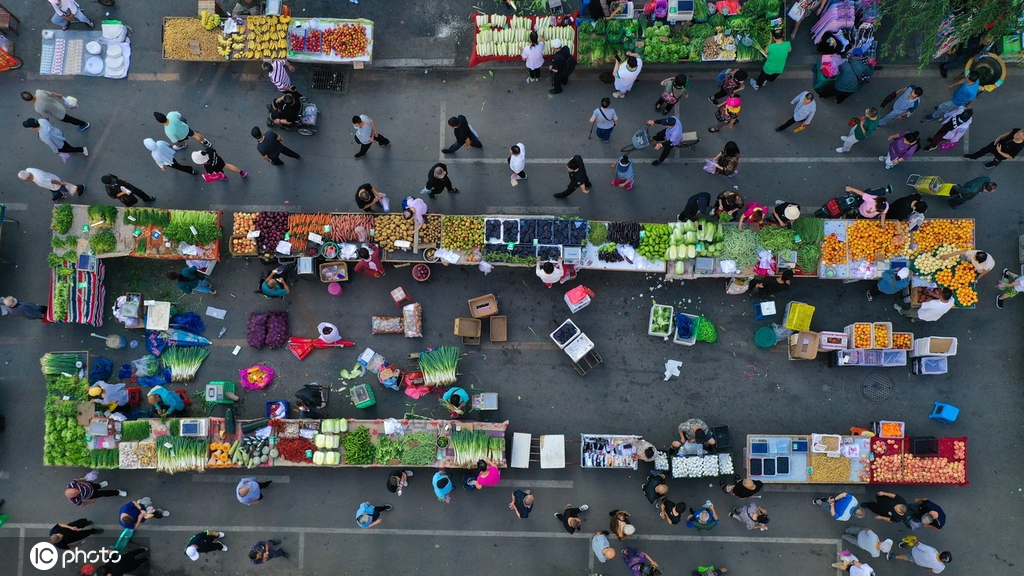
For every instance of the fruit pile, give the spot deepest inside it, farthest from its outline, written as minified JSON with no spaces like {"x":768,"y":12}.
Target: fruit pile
{"x":925,"y":264}
{"x":960,"y":279}
{"x":907,"y":468}
{"x":862,"y":335}
{"x":902,"y":340}
{"x":934,"y":233}
{"x":462,"y":233}
{"x":833,"y":251}
{"x":209,"y":21}
{"x":346,"y":40}
{"x":245,"y":222}
{"x":655,"y":241}
{"x":867,"y":239}
{"x":267,"y":38}
{"x":959,"y":450}
{"x":881,"y":335}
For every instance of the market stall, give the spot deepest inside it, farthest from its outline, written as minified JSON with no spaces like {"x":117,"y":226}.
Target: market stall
{"x":502,"y":38}
{"x":104,"y":52}
{"x":609,"y":450}
{"x":211,"y":39}
{"x":330,"y":40}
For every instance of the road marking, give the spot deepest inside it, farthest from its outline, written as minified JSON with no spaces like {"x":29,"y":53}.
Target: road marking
{"x":16,"y":206}
{"x":21,"y":551}
{"x":413,"y":63}
{"x":256,"y":208}
{"x":531,"y":484}
{"x":810,"y":488}
{"x":227,"y":479}
{"x":543,"y":345}
{"x":837,"y":159}
{"x":532,"y":210}
{"x":444,"y":124}
{"x":302,"y":549}
{"x":150,"y":77}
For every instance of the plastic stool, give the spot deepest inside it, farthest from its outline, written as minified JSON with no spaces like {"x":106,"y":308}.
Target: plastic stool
{"x":400,"y":296}
{"x":134,"y":395}
{"x":944,"y":413}
{"x":184,"y":396}
{"x":765,"y":337}
{"x":334,"y":288}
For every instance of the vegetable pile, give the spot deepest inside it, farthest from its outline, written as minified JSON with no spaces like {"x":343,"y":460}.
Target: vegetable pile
{"x":472,"y":446}
{"x":135,"y":430}
{"x":343,"y":226}
{"x":739,"y":246}
{"x":462,"y":233}
{"x":624,"y":233}
{"x":358,"y":449}
{"x":420,"y":449}
{"x":598,"y":233}
{"x":142,"y":217}
{"x":179,"y":454}
{"x":251,"y":451}
{"x":55,"y":364}
{"x":101,"y":215}
{"x":64,"y":443}
{"x":706,"y":331}
{"x":104,"y":458}
{"x":219,"y":455}
{"x":184,"y":361}
{"x":439,"y":365}
{"x":389,"y":451}
{"x":661,"y":319}
{"x":63,"y":217}
{"x":244,"y":223}
{"x":180,"y":229}
{"x":609,"y":253}
{"x":775,"y":239}
{"x":277,"y":329}
{"x":506,"y":36}
{"x":256,"y":329}
{"x":294,"y":449}
{"x":655,"y":242}
{"x":103,"y":242}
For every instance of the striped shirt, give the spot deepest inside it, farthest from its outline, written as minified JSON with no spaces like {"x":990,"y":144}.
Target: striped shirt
{"x":85,"y":491}
{"x":279,"y":75}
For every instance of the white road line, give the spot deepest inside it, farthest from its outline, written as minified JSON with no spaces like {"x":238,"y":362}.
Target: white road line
{"x":302,"y":549}
{"x":413,"y":63}
{"x":16,"y":206}
{"x":531,"y":210}
{"x":531,"y":484}
{"x":256,"y":207}
{"x":21,"y":551}
{"x":837,"y":159}
{"x":444,"y":122}
{"x":227,"y":479}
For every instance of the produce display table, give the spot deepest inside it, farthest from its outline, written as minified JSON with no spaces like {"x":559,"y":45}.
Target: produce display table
{"x":76,"y":296}
{"x":702,"y":466}
{"x":330,"y":40}
{"x":608,"y":451}
{"x":924,"y":461}
{"x":502,"y":38}
{"x":254,"y":38}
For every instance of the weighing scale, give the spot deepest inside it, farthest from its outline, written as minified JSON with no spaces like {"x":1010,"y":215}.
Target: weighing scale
{"x":362,"y":396}
{"x":214,"y":392}
{"x":195,"y":427}
{"x":87,"y":263}
{"x":555,"y":7}
{"x":572,"y":254}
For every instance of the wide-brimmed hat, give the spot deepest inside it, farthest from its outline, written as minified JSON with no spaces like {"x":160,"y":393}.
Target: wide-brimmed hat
{"x":200,"y":157}
{"x":791,"y":212}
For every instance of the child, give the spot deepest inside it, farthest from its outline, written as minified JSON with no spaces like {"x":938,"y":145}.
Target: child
{"x":623,"y":172}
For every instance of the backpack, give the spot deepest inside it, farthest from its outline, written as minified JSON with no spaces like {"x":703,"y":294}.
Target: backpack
{"x":722,"y":76}
{"x":570,"y":65}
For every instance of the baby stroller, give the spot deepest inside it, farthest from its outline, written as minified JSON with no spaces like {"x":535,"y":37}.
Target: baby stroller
{"x":307,"y":119}
{"x":843,"y":207}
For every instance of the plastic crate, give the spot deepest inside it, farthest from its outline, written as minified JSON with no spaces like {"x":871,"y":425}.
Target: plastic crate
{"x":880,"y":343}
{"x":569,"y":338}
{"x":832,"y":341}
{"x":693,"y":339}
{"x":798,"y":316}
{"x":849,"y":330}
{"x":894,"y":357}
{"x":934,"y":346}
{"x":650,"y":322}
{"x":872,"y":358}
{"x":876,"y":427}
{"x":931,"y":365}
{"x":909,"y":346}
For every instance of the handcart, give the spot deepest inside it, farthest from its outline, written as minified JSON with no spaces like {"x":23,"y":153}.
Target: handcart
{"x":577,"y":346}
{"x":931,"y":185}
{"x":642,"y":139}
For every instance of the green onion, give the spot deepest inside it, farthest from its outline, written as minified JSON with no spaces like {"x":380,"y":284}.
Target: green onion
{"x":184,"y":361}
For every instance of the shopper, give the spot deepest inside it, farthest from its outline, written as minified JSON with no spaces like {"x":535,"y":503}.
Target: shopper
{"x":905,"y":102}
{"x":270,"y":146}
{"x":704,"y":519}
{"x":854,"y":567}
{"x":366,"y":134}
{"x":54,"y":138}
{"x":165,"y":402}
{"x":754,"y":213}
{"x":752,"y":516}
{"x":562,"y":66}
{"x":867,"y":540}
{"x":134,"y":513}
{"x":851,"y":76}
{"x":863,"y":128}
{"x":804,"y":107}
{"x":924,"y":556}
{"x":728,"y":113}
{"x":249,"y":490}
{"x":277,"y":71}
{"x":902,"y":147}
{"x":465,"y":135}
{"x":213,"y":163}
{"x":533,"y":54}
{"x":521,"y":504}
{"x":982,"y":261}
{"x":176,"y":129}
{"x":625,"y":73}
{"x":935,"y":302}
{"x":397,"y":480}
{"x":888,"y":506}
{"x":668,"y":138}
{"x":623,"y":173}
{"x":729,"y":203}
{"x":443,"y":486}
{"x":742,"y":488}
{"x":767,"y":287}
{"x":673,"y":89}
{"x":800,"y":10}
{"x":124,"y":191}
{"x":604,"y":120}
{"x":955,"y":125}
{"x":163,"y":155}
{"x":577,"y":177}
{"x":726,"y":163}
{"x":961,"y":193}
{"x":697,"y":206}
{"x":51,"y":105}
{"x":601,"y":547}
{"x":370,"y":265}
{"x":285,"y":111}
{"x":58,"y":187}
{"x":927,"y":513}
{"x":730,"y":83}
{"x":488,"y":475}
{"x":67,"y":11}
{"x":775,"y":60}
{"x":127,"y":563}
{"x":901,"y":209}
{"x":1006,"y":146}
{"x":83,"y":492}
{"x":965,"y":93}
{"x":620,"y":525}
{"x":65,"y":536}
{"x":190,"y":279}
{"x":264,"y":551}
{"x":367,"y":196}
{"x":870,"y":205}
{"x":842,"y":506}
{"x":671,"y":512}
{"x":203,"y":542}
{"x":639,"y":563}
{"x":368,"y":515}
{"x":656,"y":487}
{"x":893,"y":281}
{"x":784,"y":213}
{"x":438,"y":181}
{"x":570,"y":517}
{"x":517,"y":163}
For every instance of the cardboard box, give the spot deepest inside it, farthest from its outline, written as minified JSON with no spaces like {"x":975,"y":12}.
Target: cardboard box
{"x":498,"y":328}
{"x":86,"y":411}
{"x":803,"y":346}
{"x":832,"y":341}
{"x":468,"y":327}
{"x":483,"y":306}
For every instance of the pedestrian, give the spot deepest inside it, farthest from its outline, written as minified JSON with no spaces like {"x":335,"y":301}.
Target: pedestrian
{"x":784,"y":214}
{"x":697,"y":206}
{"x":176,"y":129}
{"x":902,"y":147}
{"x":965,"y":50}
{"x":672,"y":89}
{"x":867,"y":540}
{"x":768,"y":286}
{"x":754,"y":213}
{"x":59,"y":188}
{"x":775,"y":60}
{"x":165,"y":402}
{"x":870,"y":205}
{"x":742,"y":488}
{"x":398,"y":479}
{"x":604,"y":119}
{"x":1009,"y":285}
{"x":705,"y":519}
{"x":134,"y":513}
{"x":888,"y":506}
{"x":667,"y":138}
{"x":443,"y":486}
{"x":711,"y":570}
{"x":190,"y":279}
{"x":623,"y":173}
{"x":126,"y":563}
{"x":601,"y":547}
{"x":465,"y":135}
{"x":842,"y":506}
{"x":752,"y":516}
{"x":517,"y":163}
{"x":924,"y":556}
{"x":671,"y":512}
{"x":562,"y":66}
{"x":249,"y":490}
{"x":65,"y":536}
{"x":863,"y":127}
{"x":264,"y":551}
{"x":67,"y":11}
{"x":959,"y":194}
{"x":285,"y":111}
{"x":935,"y":302}
{"x":570,"y":517}
{"x":893,"y":281}
{"x":277,"y":71}
{"x":521,"y":504}
{"x":83,"y":492}
{"x":804,"y":107}
{"x":120,"y":189}
{"x":797,"y":13}
{"x":54,"y":138}
{"x":955,"y":125}
{"x":728,"y":113}
{"x":982,"y":261}
{"x":1006,"y":146}
{"x":14,"y":307}
{"x":488,"y":475}
{"x":851,"y":76}
{"x":270,"y":146}
{"x":370,"y":265}
{"x":533,"y":54}
{"x":626,"y":72}
{"x":965,"y":93}
{"x":730,"y":82}
{"x":577,"y":177}
{"x":655,"y":487}
{"x":903,"y":208}
{"x":905,"y":102}
{"x":51,"y":105}
{"x":163,"y":155}
{"x":366,"y":134}
{"x":927,"y":513}
{"x":213,"y":163}
{"x":438,"y":181}
{"x":368,"y":515}
{"x":203,"y":542}
{"x":367,"y":196}
{"x":620,"y":524}
{"x":726,"y":163}
{"x":854,"y":567}
{"x":639,"y":563}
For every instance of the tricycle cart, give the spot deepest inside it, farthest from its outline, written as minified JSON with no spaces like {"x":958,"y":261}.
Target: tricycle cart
{"x":577,"y":346}
{"x":9,"y":24}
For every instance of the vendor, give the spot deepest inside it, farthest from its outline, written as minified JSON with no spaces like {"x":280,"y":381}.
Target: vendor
{"x":550,"y":271}
{"x":414,"y":209}
{"x":285,"y":110}
{"x":455,"y":399}
{"x":692,"y":433}
{"x":275,"y":285}
{"x":113,"y":395}
{"x":603,"y":9}
{"x":369,"y":261}
{"x":310,"y":400}
{"x":768,"y":286}
{"x":165,"y":402}
{"x":982,"y":262}
{"x":190,"y":280}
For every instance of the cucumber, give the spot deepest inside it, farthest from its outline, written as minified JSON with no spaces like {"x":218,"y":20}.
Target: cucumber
{"x":229,"y":421}
{"x":254,"y":425}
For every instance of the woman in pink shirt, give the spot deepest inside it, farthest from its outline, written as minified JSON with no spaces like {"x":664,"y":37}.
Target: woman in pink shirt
{"x":489,"y":475}
{"x":753,"y":213}
{"x":871,"y":205}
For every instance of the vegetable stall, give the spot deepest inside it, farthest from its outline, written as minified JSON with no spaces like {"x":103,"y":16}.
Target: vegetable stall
{"x":502,"y":38}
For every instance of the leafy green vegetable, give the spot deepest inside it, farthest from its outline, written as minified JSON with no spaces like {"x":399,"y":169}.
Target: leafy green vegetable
{"x":102,"y":213}
{"x":64,"y":441}
{"x":103,"y":242}
{"x":63,"y":217}
{"x":420,"y":449}
{"x":182,"y":222}
{"x":388,"y":450}
{"x":358,"y":449}
{"x":598,"y":233}
{"x":808,"y":256}
{"x":811,"y":230}
{"x":661,"y":319}
{"x":774,"y":239}
{"x":142,"y":217}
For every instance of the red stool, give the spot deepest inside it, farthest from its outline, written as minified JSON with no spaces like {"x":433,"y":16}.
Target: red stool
{"x":184,"y":396}
{"x":401,"y":297}
{"x":134,"y":395}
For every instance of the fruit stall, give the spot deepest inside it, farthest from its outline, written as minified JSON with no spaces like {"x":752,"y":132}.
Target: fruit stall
{"x":888,"y":457}
{"x":207,"y":38}
{"x":502,"y":38}
{"x":330,"y":40}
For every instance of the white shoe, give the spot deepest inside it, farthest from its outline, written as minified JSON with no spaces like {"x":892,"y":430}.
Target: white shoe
{"x":843,"y":138}
{"x":840,"y":150}
{"x":753,"y":84}
{"x":85,"y":150}
{"x":881,"y":158}
{"x":221,"y":535}
{"x":122,"y":493}
{"x":164,"y":513}
{"x":584,"y":508}
{"x":409,"y":473}
{"x":103,"y":484}
{"x":223,"y":548}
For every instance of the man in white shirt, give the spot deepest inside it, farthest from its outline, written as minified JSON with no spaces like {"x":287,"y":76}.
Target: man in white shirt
{"x":867,"y":540}
{"x":549,"y":272}
{"x":982,"y":261}
{"x":856,"y":568}
{"x":51,"y":182}
{"x":64,"y":11}
{"x":935,"y":302}
{"x":924,"y":556}
{"x":517,"y":163}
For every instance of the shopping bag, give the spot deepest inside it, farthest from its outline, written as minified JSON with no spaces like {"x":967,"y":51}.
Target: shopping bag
{"x":71,"y":102}
{"x":123,"y":540}
{"x":888,"y":99}
{"x":853,"y":121}
{"x":709,"y":166}
{"x":215,"y":177}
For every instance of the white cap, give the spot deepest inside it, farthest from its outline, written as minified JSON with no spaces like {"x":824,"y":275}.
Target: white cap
{"x":791,"y":212}
{"x":556,"y":43}
{"x":903,"y":273}
{"x":24,"y":174}
{"x":199,"y":157}
{"x":192,"y":552}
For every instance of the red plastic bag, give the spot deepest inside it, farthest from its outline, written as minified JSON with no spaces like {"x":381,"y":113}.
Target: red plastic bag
{"x":256,"y":377}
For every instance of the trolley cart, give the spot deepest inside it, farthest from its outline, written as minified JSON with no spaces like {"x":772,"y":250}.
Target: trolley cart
{"x":931,"y":185}
{"x":642,"y":139}
{"x":577,"y":346}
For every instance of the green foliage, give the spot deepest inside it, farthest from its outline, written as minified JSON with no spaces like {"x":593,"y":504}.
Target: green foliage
{"x":917,"y":23}
{"x":102,"y":213}
{"x":63,"y":217}
{"x":182,"y":222}
{"x":103,"y":242}
{"x":598,"y":233}
{"x":54,"y":260}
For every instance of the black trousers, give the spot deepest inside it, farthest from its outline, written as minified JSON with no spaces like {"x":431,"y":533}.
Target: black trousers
{"x":69,"y":149}
{"x":379,"y":139}
{"x":667,"y":105}
{"x":129,"y":561}
{"x":437,"y":186}
{"x":666,"y":148}
{"x":559,"y":79}
{"x":276,"y":158}
{"x":937,"y":138}
{"x":830,"y":91}
{"x":535,"y":74}
{"x":183,"y":168}
{"x":473,"y":141}
{"x":763,"y":78}
{"x":72,"y":120}
{"x":786,"y":124}
{"x":145,"y":198}
{"x":990,"y":148}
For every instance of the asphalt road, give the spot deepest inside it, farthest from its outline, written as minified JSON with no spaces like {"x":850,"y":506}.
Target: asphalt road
{"x":730,"y":383}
